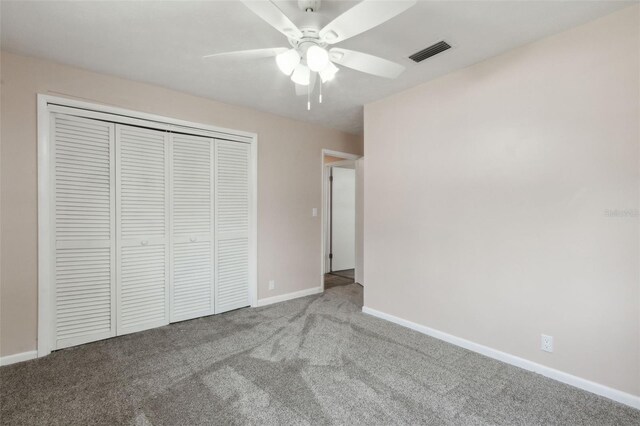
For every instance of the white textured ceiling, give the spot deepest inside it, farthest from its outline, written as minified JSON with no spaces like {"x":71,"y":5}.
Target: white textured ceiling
{"x":163,"y":43}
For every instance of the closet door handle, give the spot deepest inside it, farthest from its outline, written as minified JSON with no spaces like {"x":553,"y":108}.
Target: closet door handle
{"x":193,"y":239}
{"x":144,"y":242}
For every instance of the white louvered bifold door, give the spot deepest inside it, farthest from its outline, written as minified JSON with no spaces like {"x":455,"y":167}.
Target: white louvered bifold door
{"x":84,"y":255}
{"x":192,"y":292}
{"x":232,"y":206}
{"x":143,"y":217}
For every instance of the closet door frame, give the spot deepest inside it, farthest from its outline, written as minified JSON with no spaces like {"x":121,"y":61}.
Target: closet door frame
{"x":46,"y":106}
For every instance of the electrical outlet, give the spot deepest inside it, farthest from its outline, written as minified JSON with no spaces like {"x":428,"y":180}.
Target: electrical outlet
{"x":546,"y":343}
{"x":272,"y":284}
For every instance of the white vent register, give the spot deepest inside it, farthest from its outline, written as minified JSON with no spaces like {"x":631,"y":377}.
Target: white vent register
{"x":142,"y":223}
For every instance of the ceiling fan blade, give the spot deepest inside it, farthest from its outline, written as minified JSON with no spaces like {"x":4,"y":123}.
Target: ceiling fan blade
{"x":304,"y":90}
{"x":362,"y":17}
{"x":365,"y":63}
{"x":251,"y":54}
{"x":274,"y":17}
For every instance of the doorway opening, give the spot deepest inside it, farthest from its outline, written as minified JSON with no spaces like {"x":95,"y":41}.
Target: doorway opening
{"x":342,"y":235}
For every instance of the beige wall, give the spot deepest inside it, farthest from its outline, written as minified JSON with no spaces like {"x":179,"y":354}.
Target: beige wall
{"x":289,"y":249}
{"x":486,"y":194}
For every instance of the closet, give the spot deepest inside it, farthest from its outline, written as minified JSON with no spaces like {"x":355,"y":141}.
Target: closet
{"x":149,"y":227}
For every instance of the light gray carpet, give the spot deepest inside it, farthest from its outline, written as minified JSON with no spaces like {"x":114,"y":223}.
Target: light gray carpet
{"x":316,"y":360}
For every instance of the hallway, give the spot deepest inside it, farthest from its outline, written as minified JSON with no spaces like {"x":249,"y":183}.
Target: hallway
{"x":338,"y":278}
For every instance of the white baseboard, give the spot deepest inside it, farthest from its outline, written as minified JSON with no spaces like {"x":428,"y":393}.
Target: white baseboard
{"x":12,"y":359}
{"x":289,"y":296}
{"x":578,"y":382}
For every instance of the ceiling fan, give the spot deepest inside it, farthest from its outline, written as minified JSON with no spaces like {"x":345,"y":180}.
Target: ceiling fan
{"x":311,"y":56}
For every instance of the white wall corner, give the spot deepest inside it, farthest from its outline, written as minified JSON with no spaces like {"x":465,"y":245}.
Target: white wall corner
{"x":560,"y":376}
{"x":289,"y":296}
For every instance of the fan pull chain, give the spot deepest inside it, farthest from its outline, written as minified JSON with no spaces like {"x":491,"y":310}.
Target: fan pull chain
{"x":320,"y":97}
{"x":309,"y":96}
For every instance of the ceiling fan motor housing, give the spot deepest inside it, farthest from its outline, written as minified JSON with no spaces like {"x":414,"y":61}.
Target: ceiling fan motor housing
{"x":309,"y":5}
{"x":310,"y":37}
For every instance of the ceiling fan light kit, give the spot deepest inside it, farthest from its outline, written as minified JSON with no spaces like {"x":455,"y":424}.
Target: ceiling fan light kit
{"x":308,"y":56}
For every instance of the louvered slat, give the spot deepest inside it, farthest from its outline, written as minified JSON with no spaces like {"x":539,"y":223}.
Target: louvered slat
{"x":146,"y":279}
{"x":143,"y":234}
{"x":232,"y":225}
{"x":192,"y":228}
{"x":232,"y":187}
{"x":192,"y":280}
{"x":233,"y":274}
{"x":191,"y":185}
{"x":84,"y":291}
{"x":83,"y":179}
{"x":142,"y":172}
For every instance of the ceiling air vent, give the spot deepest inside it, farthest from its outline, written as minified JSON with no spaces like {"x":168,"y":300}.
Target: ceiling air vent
{"x":430,"y":51}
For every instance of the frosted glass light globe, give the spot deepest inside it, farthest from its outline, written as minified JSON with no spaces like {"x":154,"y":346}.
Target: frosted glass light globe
{"x":328,"y":72}
{"x":288,"y":61}
{"x":317,"y":58}
{"x":301,"y":75}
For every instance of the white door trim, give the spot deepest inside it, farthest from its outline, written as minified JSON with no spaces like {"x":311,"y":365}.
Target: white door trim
{"x":126,"y":116}
{"x":46,"y":106}
{"x":45,"y":227}
{"x":338,"y":154}
{"x":325,"y":204}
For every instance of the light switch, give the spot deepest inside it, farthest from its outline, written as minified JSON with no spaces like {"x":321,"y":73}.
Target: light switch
{"x":314,"y":212}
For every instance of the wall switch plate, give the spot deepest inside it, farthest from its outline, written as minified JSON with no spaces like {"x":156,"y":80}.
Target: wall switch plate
{"x":272,"y":284}
{"x":546,"y":343}
{"x":314,"y":212}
